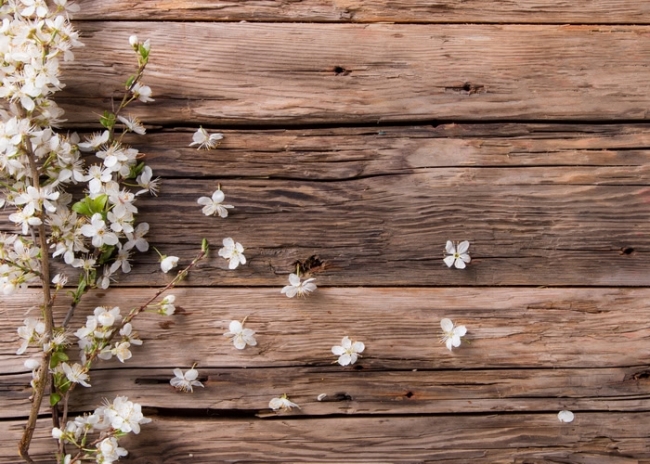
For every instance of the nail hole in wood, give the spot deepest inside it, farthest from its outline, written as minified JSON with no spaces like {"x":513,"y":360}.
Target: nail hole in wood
{"x":627,"y":250}
{"x":409,"y":394}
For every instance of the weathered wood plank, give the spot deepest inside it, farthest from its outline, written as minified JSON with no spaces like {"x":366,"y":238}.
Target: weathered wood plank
{"x":248,"y":391}
{"x":507,"y":327}
{"x":499,"y":438}
{"x":411,"y":11}
{"x":225,"y":73}
{"x":378,"y":205}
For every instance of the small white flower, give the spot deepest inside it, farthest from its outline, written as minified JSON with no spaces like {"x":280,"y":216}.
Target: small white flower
{"x":296,"y":287}
{"x":133,"y":40}
{"x":75,"y":373}
{"x":185,"y":382}
{"x":98,"y":232}
{"x":133,"y":124}
{"x":241,"y":337}
{"x":348,"y":352}
{"x":233,"y":252}
{"x":146,"y":182}
{"x":565,"y":416}
{"x":458,"y":255}
{"x":205,"y":140}
{"x":282,"y":403}
{"x":31,"y":331}
{"x":110,"y":450}
{"x":451,"y":335}
{"x":167,"y":307}
{"x":167,"y":263}
{"x":142,"y":92}
{"x":213,"y":205}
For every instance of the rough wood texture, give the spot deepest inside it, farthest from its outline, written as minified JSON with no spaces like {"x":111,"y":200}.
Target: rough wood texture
{"x":224,"y":73}
{"x":541,"y":205}
{"x":595,"y":438}
{"x":409,"y":11}
{"x":507,"y":327}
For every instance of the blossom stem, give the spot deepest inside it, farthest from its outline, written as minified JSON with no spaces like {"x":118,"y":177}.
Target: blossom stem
{"x":48,"y":318}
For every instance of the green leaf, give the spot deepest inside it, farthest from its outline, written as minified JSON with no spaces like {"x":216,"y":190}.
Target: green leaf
{"x":107,"y":252}
{"x":89,"y":206}
{"x":57,"y":358}
{"x":130,"y":81}
{"x":54,"y":399}
{"x":108,"y":120}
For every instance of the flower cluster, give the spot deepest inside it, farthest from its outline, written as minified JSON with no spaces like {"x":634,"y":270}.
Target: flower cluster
{"x":111,"y":421}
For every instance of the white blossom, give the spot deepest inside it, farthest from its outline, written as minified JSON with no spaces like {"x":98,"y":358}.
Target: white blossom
{"x":185,"y":382}
{"x":31,"y":331}
{"x":296,"y":287}
{"x":98,"y":232}
{"x":214,"y":205}
{"x":451,"y":335}
{"x":565,"y":416}
{"x":110,"y":451}
{"x":233,"y":252}
{"x":147,"y":183}
{"x":124,"y":415}
{"x":282,"y":403}
{"x":205,"y":140}
{"x":75,"y":373}
{"x":348,"y":352}
{"x":458,"y":255}
{"x":167,"y":263}
{"x":132,"y":124}
{"x":167,"y":307}
{"x":142,"y":92}
{"x":241,"y":336}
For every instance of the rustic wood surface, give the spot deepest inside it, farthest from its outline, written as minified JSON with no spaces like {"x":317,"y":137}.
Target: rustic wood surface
{"x":369,"y":145}
{"x":409,"y":11}
{"x":237,"y":73}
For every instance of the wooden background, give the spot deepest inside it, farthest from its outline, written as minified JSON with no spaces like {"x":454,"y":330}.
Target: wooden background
{"x":368,"y":133}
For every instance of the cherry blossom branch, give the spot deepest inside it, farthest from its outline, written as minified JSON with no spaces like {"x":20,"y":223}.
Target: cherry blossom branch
{"x":48,"y":317}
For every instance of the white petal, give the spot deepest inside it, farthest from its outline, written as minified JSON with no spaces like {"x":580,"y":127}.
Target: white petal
{"x":178,"y":373}
{"x":465,"y":257}
{"x":204,"y":201}
{"x":240,"y":344}
{"x":449,"y":261}
{"x":289,"y":290}
{"x":294,"y":280}
{"x":353,"y":358}
{"x":358,"y":347}
{"x":455,"y":340}
{"x":344,"y":359}
{"x":450,"y":248}
{"x":463,"y":247}
{"x":276,"y":403}
{"x":192,"y":374}
{"x":446,"y":325}
{"x":338,"y":350}
{"x":460,"y":330}
{"x":448,"y":343}
{"x":565,"y":416}
{"x":235,"y":327}
{"x":218,"y":196}
{"x":459,"y":263}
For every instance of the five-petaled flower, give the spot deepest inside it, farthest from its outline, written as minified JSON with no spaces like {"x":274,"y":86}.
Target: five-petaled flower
{"x":233,"y":252}
{"x":185,"y":382}
{"x":348,"y":352}
{"x":282,"y":403}
{"x":296,"y":287}
{"x":451,"y":335}
{"x":458,"y":255}
{"x":214,"y":205}
{"x":241,"y":336}
{"x":205,"y":140}
{"x":75,"y":373}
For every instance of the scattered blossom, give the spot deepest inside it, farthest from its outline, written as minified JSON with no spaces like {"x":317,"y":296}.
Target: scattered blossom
{"x":214,"y":205}
{"x":282,"y":403}
{"x":565,"y":416}
{"x":298,"y":287}
{"x":348,"y":352}
{"x":451,"y":335}
{"x":233,"y":252}
{"x":185,"y":382}
{"x":241,"y":336}
{"x":458,"y":255}
{"x":205,"y":140}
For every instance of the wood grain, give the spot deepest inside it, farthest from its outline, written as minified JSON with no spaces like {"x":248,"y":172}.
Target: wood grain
{"x":496,"y":438}
{"x":520,"y":328}
{"x":225,"y":73}
{"x":230,"y":391}
{"x":540,"y":204}
{"x":410,"y":11}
